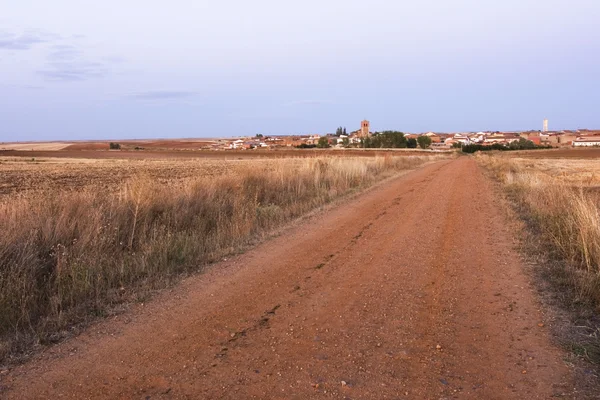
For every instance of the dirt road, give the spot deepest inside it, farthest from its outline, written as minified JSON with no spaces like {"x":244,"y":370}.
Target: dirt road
{"x":412,"y":290}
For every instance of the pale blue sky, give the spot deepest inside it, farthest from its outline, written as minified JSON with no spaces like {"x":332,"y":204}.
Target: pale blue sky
{"x":73,"y":69}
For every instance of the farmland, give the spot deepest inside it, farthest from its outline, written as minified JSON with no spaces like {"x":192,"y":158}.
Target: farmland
{"x":561,"y":194}
{"x":557,"y":194}
{"x":27,"y":172}
{"x":25,"y":176}
{"x":384,"y":271}
{"x":372,"y":297}
{"x":158,"y":153}
{"x":186,"y":144}
{"x":83,"y":235}
{"x":588,"y":153}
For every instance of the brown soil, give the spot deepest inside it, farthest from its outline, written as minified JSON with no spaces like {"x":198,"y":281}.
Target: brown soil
{"x":211,"y":154}
{"x":153,"y":144}
{"x":412,"y":290}
{"x":559,"y":153}
{"x":48,"y":176}
{"x":87,"y":146}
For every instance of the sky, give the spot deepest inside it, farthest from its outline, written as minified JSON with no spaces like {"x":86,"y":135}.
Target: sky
{"x":76,"y":70}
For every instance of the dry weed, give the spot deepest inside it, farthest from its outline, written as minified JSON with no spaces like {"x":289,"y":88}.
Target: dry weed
{"x":565,"y":212}
{"x":71,"y":254}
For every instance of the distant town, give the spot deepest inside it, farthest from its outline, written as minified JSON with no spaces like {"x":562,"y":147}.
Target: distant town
{"x":436,"y":140}
{"x":342,"y":138}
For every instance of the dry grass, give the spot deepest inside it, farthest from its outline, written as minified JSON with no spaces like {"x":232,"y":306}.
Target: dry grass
{"x":70,"y":255}
{"x":564,"y":214}
{"x":27,"y":177}
{"x":39,"y":146}
{"x":565,"y":209}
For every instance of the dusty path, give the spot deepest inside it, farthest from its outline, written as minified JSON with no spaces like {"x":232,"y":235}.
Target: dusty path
{"x":351,"y":304}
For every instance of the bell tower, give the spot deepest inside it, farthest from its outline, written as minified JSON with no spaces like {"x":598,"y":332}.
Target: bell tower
{"x":364,"y":128}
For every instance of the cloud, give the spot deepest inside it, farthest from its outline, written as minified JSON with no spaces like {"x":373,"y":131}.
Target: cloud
{"x":65,"y":58}
{"x":24,"y":41}
{"x":163,"y":95}
{"x":68,"y":63}
{"x":64,"y":52}
{"x":73,"y":70}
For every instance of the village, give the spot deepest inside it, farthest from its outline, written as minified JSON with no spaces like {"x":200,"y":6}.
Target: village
{"x":438,"y":140}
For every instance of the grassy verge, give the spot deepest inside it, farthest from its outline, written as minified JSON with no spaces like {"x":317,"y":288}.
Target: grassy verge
{"x":564,"y":224}
{"x":70,"y":256}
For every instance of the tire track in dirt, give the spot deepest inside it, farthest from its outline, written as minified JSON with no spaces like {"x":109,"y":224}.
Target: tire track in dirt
{"x":349,"y":304}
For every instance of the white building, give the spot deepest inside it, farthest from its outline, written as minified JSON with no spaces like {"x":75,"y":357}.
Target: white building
{"x":237,"y":144}
{"x":586,"y":141}
{"x":462,"y":138}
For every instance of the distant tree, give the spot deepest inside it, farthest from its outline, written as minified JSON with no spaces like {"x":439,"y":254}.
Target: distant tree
{"x":526,"y":144}
{"x":424,"y":141}
{"x":521,"y":144}
{"x":411,"y":143}
{"x":456,"y":145}
{"x":114,"y":146}
{"x":346,"y":142}
{"x":323,"y":142}
{"x":344,"y":130}
{"x":339,"y":131}
{"x":259,"y":136}
{"x":385,"y":140}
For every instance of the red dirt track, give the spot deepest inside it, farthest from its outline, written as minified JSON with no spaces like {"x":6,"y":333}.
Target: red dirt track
{"x":411,"y":290}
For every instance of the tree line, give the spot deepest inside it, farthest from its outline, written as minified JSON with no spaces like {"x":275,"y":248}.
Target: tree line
{"x":521,"y":144}
{"x":340,"y":131}
{"x":394,"y":140}
{"x":379,"y":140}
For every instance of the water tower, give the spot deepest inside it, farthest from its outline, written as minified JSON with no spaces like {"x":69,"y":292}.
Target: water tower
{"x":545,"y":125}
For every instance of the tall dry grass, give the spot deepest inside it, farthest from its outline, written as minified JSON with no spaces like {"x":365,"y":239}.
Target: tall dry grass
{"x":71,"y":255}
{"x":567,"y":215}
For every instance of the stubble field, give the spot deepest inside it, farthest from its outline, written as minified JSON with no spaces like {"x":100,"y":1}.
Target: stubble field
{"x":562,"y":194}
{"x":559,"y":199}
{"x":565,"y":153}
{"x":26,"y":177}
{"x":26,"y":173}
{"x":82,"y":235}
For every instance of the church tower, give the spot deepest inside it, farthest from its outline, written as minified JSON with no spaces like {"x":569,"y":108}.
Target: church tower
{"x":364,"y":128}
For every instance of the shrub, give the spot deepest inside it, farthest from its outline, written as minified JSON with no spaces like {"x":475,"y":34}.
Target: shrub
{"x":424,"y":141}
{"x":323,"y":142}
{"x":521,"y":144}
{"x":385,"y":140}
